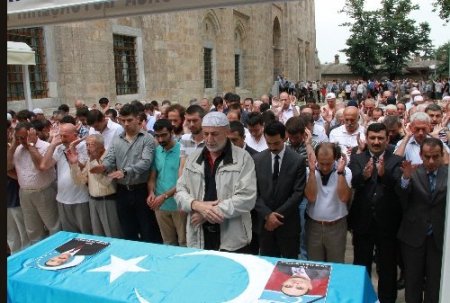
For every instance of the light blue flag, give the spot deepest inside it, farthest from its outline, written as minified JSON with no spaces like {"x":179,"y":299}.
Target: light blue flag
{"x":128,"y":271}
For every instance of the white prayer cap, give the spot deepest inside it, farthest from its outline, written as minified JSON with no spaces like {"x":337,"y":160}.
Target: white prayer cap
{"x":38,"y":111}
{"x":446,"y":99}
{"x":418,"y":98}
{"x":330,"y":96}
{"x":8,"y":116}
{"x":414,"y":92}
{"x":216,"y":119}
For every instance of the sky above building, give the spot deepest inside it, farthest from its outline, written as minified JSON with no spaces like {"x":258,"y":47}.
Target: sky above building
{"x":330,"y":37}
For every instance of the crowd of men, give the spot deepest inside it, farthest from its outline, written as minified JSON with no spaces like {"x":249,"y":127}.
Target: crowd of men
{"x":362,"y":89}
{"x":265,"y":177}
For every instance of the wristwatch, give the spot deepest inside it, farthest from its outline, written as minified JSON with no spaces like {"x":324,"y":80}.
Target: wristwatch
{"x":341,"y":173}
{"x":31,"y":144}
{"x":166,"y":196}
{"x":124,"y":172}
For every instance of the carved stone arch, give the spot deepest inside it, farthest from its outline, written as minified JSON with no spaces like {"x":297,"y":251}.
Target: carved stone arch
{"x":210,"y":20}
{"x":276,"y":32}
{"x":240,"y":29}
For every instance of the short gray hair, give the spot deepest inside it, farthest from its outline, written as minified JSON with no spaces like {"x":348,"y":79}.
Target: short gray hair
{"x":98,"y":138}
{"x":420,"y":116}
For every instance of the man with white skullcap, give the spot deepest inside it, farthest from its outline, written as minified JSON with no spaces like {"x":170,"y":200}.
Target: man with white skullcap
{"x":218,"y":189}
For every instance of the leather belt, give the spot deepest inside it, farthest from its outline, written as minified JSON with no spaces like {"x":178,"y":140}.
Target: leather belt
{"x":132,"y":187}
{"x":327,"y":223}
{"x":107,"y":197}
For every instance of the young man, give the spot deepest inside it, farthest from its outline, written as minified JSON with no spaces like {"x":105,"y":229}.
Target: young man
{"x":281,"y":175}
{"x":128,"y":161}
{"x":162,"y":185}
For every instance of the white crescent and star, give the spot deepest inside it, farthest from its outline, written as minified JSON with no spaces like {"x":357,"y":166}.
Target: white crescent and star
{"x":258,"y":270}
{"x":119,"y":266}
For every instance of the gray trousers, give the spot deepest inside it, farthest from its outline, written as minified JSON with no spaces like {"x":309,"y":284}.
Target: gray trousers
{"x":104,"y":218}
{"x":75,"y":217}
{"x":40,"y":213}
{"x":326,"y":242}
{"x":16,"y":233}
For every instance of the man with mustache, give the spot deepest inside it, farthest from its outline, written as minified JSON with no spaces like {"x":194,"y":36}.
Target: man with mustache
{"x":375,"y":213}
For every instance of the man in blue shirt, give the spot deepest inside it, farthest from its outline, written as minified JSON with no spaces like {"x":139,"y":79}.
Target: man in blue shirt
{"x":162,"y":183}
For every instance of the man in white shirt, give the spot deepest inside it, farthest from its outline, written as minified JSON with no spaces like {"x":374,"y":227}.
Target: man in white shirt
{"x":287,"y":109}
{"x":105,"y":127}
{"x":37,"y":189}
{"x":328,"y":189}
{"x":255,"y":126}
{"x":347,"y":135}
{"x":73,"y":205}
{"x":418,"y":129}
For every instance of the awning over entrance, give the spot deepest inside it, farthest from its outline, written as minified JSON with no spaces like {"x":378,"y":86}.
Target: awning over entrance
{"x":20,"y":53}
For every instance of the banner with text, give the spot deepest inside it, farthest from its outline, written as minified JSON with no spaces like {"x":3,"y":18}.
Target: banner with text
{"x":27,"y":13}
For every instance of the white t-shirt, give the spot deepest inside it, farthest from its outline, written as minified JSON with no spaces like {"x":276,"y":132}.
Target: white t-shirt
{"x":112,"y":130}
{"x":328,"y":207}
{"x":68,"y":191}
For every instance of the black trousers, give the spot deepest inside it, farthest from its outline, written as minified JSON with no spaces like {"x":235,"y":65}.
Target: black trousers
{"x":363,"y":248}
{"x":422,"y":272}
{"x":137,"y":220}
{"x":276,"y":244}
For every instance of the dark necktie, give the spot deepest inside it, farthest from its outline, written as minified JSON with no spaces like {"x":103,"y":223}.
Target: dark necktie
{"x":375,"y":170}
{"x":276,"y":168}
{"x":432,"y":180}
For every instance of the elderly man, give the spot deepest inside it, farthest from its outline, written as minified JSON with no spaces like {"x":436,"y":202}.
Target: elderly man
{"x":418,"y":129}
{"x":102,"y":190}
{"x":73,"y":206}
{"x":348,"y":135}
{"x":218,"y":189}
{"x":330,"y":108}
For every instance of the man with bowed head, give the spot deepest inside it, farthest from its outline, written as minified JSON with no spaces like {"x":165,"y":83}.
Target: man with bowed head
{"x":218,"y":189}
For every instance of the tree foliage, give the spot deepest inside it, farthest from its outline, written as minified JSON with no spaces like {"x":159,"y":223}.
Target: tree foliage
{"x":442,"y":53}
{"x":386,"y":36}
{"x":443,"y":7}
{"x":361,"y":52}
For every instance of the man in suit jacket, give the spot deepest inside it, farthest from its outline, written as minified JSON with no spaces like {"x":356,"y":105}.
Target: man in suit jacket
{"x":281,"y":177}
{"x":375,"y":213}
{"x":423,"y":194}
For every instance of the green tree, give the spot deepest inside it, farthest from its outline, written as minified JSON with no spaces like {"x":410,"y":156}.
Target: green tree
{"x":386,"y":36}
{"x":400,"y":37}
{"x":362,"y":51}
{"x":442,"y":53}
{"x":443,"y":6}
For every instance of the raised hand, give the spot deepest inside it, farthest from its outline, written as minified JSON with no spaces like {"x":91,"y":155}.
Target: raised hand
{"x":380,"y":166}
{"x":32,"y":136}
{"x":361,"y":142}
{"x":72,"y":155}
{"x":408,"y":169}
{"x":342,"y":162}
{"x":368,"y":169}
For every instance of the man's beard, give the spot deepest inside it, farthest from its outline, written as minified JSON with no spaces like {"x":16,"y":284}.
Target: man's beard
{"x":217,"y":148}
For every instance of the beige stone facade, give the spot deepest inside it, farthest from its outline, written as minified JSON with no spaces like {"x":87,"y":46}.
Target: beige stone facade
{"x":270,"y":38}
